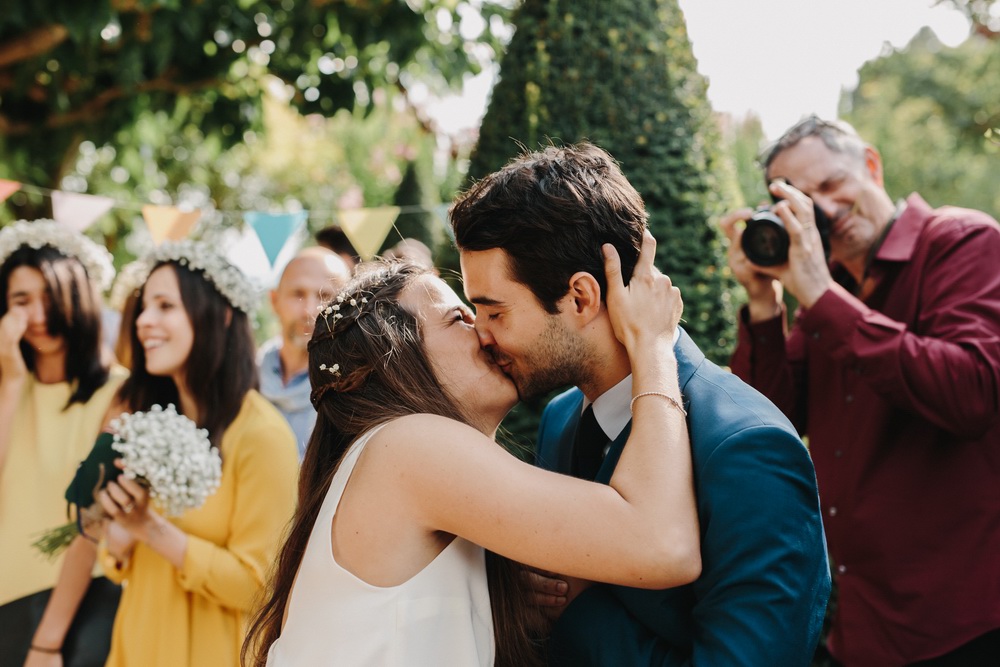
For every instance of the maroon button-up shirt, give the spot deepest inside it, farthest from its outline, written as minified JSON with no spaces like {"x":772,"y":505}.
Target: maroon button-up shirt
{"x":900,"y":396}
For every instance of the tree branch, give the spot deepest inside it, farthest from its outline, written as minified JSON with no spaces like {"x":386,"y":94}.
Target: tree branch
{"x":31,"y":44}
{"x":94,"y":107}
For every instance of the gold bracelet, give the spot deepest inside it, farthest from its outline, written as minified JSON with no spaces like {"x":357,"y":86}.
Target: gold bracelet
{"x":42,"y":649}
{"x":673,"y":401}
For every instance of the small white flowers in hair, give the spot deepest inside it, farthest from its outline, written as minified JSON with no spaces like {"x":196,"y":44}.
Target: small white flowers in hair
{"x":332,"y":370}
{"x":171,"y":454}
{"x":197,"y":256}
{"x":38,"y":233}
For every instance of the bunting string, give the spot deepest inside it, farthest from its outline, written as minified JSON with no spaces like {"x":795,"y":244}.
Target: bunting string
{"x":366,"y":228}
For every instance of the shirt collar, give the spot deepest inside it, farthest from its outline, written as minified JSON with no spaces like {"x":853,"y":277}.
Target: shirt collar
{"x":611,"y":408}
{"x":901,"y":240}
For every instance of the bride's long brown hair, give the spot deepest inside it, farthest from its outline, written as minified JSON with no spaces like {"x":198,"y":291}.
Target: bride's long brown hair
{"x":383,"y":374}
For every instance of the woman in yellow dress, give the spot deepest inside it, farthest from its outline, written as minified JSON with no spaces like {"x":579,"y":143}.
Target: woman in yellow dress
{"x":55,"y":387}
{"x":191,"y":581}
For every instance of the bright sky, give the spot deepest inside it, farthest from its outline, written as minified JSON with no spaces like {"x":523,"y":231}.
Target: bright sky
{"x":782,"y":59}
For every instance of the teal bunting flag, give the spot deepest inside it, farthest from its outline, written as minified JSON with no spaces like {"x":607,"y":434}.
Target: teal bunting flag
{"x":274,"y":229}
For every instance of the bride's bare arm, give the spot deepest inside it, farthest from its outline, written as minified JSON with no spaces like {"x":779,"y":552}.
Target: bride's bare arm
{"x":641,"y":530}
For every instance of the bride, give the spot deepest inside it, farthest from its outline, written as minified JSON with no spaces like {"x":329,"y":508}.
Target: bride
{"x":404,"y":493}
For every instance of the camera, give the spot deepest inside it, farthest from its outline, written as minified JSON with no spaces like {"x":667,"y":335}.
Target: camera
{"x":765,"y":239}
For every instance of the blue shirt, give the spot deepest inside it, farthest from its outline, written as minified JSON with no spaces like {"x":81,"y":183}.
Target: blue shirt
{"x":291,"y":399}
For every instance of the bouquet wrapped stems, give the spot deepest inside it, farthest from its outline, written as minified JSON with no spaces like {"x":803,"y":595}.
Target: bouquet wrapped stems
{"x":53,"y":542}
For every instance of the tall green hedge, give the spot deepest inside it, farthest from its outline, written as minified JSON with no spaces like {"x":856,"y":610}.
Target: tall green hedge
{"x":620,"y":73}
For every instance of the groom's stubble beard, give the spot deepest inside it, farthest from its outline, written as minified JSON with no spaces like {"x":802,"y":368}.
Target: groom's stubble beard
{"x":556,"y":358}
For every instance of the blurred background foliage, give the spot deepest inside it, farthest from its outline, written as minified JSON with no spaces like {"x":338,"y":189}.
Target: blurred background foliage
{"x":173,"y":93}
{"x":934,"y":114}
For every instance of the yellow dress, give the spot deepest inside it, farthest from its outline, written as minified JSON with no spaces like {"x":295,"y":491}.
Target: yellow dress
{"x":47,"y":444}
{"x":198,"y":615}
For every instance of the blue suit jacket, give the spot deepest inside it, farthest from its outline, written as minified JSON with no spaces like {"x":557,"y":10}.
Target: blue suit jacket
{"x":765,"y":579}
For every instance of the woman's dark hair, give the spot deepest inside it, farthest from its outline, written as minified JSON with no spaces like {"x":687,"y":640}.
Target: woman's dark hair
{"x":551,"y":211}
{"x":220,"y":369}
{"x":74,"y":313}
{"x":384,"y":374}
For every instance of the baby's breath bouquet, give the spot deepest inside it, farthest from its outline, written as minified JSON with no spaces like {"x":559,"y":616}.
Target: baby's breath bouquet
{"x":163,"y":450}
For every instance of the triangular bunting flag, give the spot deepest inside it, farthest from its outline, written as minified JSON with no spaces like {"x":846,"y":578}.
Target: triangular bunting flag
{"x":78,"y":211}
{"x":275,"y":229}
{"x":366,"y":228}
{"x":167,"y":222}
{"x":441,"y":213}
{"x":243,"y":249}
{"x":7,"y":188}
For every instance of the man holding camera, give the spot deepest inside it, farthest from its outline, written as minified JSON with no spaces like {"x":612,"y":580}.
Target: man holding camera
{"x":892,"y":368}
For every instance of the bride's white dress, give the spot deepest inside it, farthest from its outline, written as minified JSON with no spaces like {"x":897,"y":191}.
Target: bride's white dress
{"x":441,"y":616}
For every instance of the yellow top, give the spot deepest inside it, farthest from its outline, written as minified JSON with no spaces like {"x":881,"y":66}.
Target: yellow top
{"x":47,"y":444}
{"x":198,"y":615}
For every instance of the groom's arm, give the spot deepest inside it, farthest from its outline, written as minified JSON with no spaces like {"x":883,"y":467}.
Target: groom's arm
{"x":764,"y":584}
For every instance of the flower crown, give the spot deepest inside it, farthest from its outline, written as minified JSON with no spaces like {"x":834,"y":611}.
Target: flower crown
{"x":227,"y":279}
{"x":36,"y":234}
{"x":128,"y":281}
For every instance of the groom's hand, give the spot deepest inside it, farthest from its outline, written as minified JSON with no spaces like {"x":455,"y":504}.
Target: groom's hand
{"x":554,"y":592}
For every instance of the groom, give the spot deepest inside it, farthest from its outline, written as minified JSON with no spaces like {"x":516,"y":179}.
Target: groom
{"x":530,"y":237}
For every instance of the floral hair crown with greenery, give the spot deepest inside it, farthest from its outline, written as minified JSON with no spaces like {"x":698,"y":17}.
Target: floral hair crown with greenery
{"x":36,"y":234}
{"x":198,"y":256}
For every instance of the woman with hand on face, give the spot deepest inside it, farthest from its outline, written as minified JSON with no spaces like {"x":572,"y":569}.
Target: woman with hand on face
{"x":403,"y":479}
{"x":55,"y":387}
{"x":190,"y":581}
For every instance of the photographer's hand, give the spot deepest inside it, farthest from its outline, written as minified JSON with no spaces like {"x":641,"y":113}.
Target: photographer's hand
{"x":806,"y":275}
{"x":763,"y":292}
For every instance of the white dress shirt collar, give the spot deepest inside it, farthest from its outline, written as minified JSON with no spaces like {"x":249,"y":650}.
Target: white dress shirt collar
{"x":611,"y":408}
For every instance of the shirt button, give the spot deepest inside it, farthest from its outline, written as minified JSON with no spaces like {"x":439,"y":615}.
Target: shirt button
{"x":832,"y":511}
{"x":841,"y":569}
{"x":838,"y":453}
{"x":815,"y":335}
{"x":849,"y":398}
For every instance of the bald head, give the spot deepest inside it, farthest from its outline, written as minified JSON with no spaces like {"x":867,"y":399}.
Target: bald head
{"x":312,"y":276}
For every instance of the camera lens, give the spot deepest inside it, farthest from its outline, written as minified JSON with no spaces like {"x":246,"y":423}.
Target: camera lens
{"x":765,"y":240}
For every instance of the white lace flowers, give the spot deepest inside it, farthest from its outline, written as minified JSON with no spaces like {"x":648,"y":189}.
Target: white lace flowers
{"x":39,"y":233}
{"x":171,"y":454}
{"x":198,"y":256}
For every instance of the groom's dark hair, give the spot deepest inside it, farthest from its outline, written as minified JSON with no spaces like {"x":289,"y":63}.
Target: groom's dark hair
{"x":551,"y":211}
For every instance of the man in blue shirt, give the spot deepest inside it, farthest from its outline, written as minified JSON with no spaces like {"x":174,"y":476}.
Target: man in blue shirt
{"x":310,"y":278}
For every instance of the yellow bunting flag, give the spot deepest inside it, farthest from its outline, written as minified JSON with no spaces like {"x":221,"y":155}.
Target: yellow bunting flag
{"x":169,"y":223}
{"x":7,"y":188}
{"x":366,"y":228}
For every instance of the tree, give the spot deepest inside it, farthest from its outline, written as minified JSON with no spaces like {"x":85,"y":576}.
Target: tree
{"x":743,"y":141}
{"x":76,"y":71}
{"x":416,"y":200}
{"x":934,"y":114}
{"x":983,"y":14}
{"x":621,"y":74}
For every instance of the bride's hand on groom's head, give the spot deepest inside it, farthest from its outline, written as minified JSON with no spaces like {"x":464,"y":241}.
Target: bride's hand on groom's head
{"x":649,"y":307}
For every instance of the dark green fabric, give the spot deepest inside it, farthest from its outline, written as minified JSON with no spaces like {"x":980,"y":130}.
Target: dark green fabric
{"x":94,"y":472}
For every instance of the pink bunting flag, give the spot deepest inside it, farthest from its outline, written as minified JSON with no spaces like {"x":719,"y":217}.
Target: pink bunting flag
{"x":78,"y":211}
{"x":7,"y":188}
